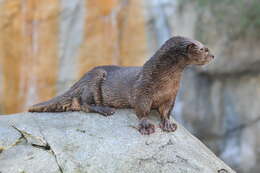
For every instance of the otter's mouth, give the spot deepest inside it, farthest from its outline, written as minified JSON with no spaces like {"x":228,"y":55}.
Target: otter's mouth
{"x":203,"y":63}
{"x":207,"y":59}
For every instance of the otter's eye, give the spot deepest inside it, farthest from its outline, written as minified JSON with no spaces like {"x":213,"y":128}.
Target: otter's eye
{"x":201,"y":49}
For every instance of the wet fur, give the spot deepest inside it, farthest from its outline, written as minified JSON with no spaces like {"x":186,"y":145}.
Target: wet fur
{"x":152,"y":86}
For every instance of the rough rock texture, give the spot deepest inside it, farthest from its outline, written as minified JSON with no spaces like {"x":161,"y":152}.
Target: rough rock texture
{"x":80,"y":142}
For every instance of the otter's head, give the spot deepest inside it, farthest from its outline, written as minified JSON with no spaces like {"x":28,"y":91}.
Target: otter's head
{"x":198,"y":54}
{"x":181,"y":48}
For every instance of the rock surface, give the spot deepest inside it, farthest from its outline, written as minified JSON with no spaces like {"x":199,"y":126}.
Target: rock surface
{"x":80,"y":142}
{"x":61,"y":38}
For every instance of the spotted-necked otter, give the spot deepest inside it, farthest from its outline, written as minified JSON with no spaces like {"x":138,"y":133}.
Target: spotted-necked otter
{"x":152,"y":86}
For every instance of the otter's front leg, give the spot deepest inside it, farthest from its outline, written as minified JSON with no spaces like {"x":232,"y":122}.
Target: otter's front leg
{"x":165,"y":111}
{"x":142,"y":109}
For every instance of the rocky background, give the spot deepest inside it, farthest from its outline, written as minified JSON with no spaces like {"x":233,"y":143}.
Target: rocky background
{"x":47,"y":45}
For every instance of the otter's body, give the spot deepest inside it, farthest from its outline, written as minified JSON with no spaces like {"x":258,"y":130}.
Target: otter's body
{"x":152,"y":86}
{"x":117,"y":89}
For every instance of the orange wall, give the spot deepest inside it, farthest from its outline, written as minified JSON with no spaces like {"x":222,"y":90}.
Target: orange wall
{"x":114,"y":33}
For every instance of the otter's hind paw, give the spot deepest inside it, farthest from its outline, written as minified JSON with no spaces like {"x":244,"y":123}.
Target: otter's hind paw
{"x":106,"y":111}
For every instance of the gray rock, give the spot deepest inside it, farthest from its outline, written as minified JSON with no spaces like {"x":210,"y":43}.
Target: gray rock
{"x":80,"y":142}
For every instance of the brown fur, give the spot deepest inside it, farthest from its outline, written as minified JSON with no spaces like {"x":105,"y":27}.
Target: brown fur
{"x":153,"y":86}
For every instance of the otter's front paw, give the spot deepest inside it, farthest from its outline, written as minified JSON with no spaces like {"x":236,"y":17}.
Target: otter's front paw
{"x":146,"y":128}
{"x":168,"y":126}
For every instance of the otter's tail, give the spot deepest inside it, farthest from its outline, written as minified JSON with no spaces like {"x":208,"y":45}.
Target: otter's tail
{"x":57,"y":104}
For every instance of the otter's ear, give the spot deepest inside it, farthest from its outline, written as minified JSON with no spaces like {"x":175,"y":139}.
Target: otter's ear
{"x":191,"y":47}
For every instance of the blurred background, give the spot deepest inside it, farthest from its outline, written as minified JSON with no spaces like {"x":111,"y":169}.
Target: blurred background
{"x":45,"y":46}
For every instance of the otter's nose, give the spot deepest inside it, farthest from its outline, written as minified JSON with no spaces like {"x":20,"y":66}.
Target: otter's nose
{"x":212,"y":56}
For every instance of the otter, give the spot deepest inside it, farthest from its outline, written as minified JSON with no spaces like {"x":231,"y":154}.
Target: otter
{"x":152,"y":86}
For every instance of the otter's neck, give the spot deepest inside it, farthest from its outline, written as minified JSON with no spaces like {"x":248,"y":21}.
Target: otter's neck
{"x":163,"y":63}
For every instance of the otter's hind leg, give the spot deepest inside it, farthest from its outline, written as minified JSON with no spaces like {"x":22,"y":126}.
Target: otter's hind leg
{"x":77,"y":106}
{"x":99,"y":75}
{"x":105,"y":111}
{"x":91,"y":98}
